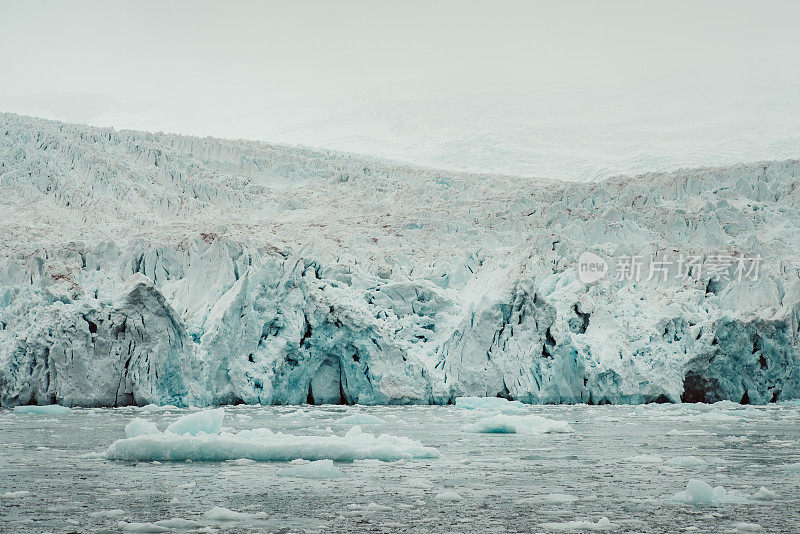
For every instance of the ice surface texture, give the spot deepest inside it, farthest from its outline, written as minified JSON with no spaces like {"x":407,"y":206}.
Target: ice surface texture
{"x":198,"y":437}
{"x":142,"y":268}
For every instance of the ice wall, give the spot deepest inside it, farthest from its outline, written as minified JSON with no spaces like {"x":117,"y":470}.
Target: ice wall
{"x":144,"y":268}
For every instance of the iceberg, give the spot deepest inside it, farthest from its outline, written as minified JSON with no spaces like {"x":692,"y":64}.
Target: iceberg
{"x":140,"y":427}
{"x":205,"y":421}
{"x":259,"y":444}
{"x":360,"y":419}
{"x":491,"y":404}
{"x":518,"y":424}
{"x":698,"y":493}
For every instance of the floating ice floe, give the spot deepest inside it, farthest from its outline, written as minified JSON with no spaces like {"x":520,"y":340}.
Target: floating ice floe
{"x":602,"y":524}
{"x":15,"y":494}
{"x":361,"y":419}
{"x":140,"y":427}
{"x":218,"y":513}
{"x":792,"y":468}
{"x":260,"y":444}
{"x":165,"y":525}
{"x":448,"y":496}
{"x":159,"y":408}
{"x":115,"y":512}
{"x":646,"y":459}
{"x":517,"y":424}
{"x":550,"y":498}
{"x":48,"y":409}
{"x":698,"y":492}
{"x":318,"y":469}
{"x":686,"y":461}
{"x":206,"y":422}
{"x":765,"y":494}
{"x":491,"y":404}
{"x":747,"y":527}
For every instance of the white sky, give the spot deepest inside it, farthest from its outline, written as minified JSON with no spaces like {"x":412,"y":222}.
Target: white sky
{"x":409,"y":79}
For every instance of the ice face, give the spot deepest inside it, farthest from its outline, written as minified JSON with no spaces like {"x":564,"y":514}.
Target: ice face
{"x":143,"y":268}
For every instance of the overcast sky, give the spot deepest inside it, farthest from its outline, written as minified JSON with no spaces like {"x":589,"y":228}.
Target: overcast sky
{"x":255,"y":69}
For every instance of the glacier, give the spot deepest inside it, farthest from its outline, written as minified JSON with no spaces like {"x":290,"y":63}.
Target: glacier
{"x":149,"y":268}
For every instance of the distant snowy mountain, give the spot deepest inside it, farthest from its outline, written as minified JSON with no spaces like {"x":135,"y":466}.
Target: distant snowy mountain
{"x":139,"y":268}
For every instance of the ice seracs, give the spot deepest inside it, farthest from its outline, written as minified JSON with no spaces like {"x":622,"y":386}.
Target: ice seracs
{"x":140,"y":268}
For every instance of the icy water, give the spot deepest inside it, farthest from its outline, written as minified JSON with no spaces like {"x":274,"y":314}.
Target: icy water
{"x":615,"y":464}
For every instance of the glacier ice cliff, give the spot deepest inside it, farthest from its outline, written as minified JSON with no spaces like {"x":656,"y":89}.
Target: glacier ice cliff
{"x":142,"y":268}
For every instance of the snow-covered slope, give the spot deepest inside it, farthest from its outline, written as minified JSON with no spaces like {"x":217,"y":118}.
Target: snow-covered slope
{"x":138,"y":268}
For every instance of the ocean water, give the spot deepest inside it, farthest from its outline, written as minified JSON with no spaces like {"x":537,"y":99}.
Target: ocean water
{"x":615,"y":464}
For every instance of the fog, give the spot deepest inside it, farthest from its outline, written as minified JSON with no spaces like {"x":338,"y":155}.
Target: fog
{"x":474,"y":86}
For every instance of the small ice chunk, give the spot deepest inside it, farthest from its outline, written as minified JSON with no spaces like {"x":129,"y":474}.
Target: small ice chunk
{"x":157,"y":408}
{"x":140,"y":427}
{"x":49,"y":409}
{"x":792,"y":468}
{"x":318,"y":470}
{"x":686,"y":461}
{"x":748,"y":527}
{"x":558,"y":498}
{"x":375,"y":507}
{"x":602,"y":524}
{"x":687,"y":432}
{"x":179,"y":523}
{"x":141,"y":527}
{"x":765,"y":494}
{"x":491,"y":404}
{"x":698,"y":492}
{"x":206,"y":421}
{"x":116,"y":512}
{"x":361,"y":419}
{"x":646,"y":459}
{"x":517,"y":424}
{"x":218,"y":513}
{"x":16,"y":494}
{"x":448,"y":496}
{"x":550,"y":498}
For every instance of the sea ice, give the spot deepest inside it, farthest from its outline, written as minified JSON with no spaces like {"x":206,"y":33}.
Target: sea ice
{"x":517,"y":424}
{"x":140,"y":427}
{"x":205,"y":421}
{"x":141,"y":527}
{"x":646,"y":459}
{"x":747,"y":527}
{"x":262,"y":444}
{"x":698,"y":492}
{"x":361,"y":419}
{"x":115,"y":512}
{"x":47,"y":409}
{"x":686,"y":461}
{"x":765,"y":494}
{"x":602,"y":524}
{"x":549,"y":498}
{"x":448,"y":496}
{"x":219,"y":513}
{"x":491,"y":404}
{"x":318,"y":469}
{"x":15,"y":494}
{"x":159,"y":408}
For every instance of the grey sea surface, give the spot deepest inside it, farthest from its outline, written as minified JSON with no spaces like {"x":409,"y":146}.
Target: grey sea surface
{"x":618,"y":463}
